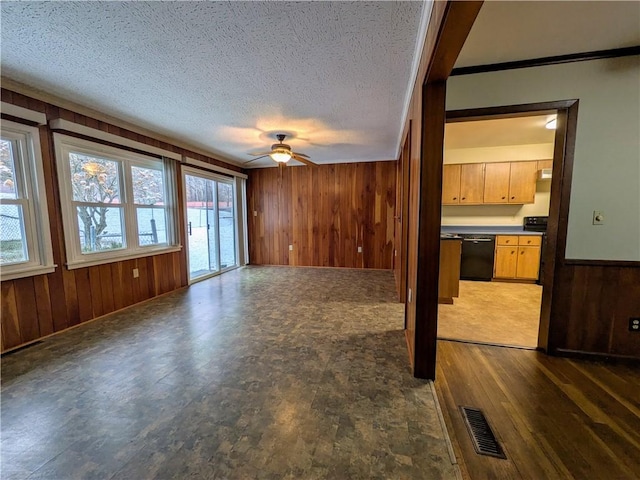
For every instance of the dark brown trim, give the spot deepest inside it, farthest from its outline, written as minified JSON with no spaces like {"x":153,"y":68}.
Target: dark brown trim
{"x":603,"y":263}
{"x":454,"y":29}
{"x":543,"y":61}
{"x":429,"y":220}
{"x":508,"y":111}
{"x":599,"y":357}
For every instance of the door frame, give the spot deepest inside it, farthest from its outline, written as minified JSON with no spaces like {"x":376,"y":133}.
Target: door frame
{"x":563,"y":153}
{"x":196,"y":172}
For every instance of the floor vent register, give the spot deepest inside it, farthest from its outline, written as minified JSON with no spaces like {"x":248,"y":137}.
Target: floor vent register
{"x":484,"y":441}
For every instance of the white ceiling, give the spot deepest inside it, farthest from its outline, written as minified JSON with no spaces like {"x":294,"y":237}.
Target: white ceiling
{"x":227,"y":76}
{"x":499,"y":132}
{"x":506,"y":31}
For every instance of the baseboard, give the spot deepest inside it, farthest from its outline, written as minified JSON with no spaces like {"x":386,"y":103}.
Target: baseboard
{"x":596,"y":356}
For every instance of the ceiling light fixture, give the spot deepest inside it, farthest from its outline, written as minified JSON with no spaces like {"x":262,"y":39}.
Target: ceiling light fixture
{"x":281,"y":155}
{"x":551,"y":124}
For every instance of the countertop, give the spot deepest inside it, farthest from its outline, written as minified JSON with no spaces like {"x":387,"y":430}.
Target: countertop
{"x":485,"y":229}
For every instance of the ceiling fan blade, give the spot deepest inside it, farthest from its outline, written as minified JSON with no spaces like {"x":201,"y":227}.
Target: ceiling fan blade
{"x":260,"y":153}
{"x":297,"y":157}
{"x":300,"y":154}
{"x":254,"y":159}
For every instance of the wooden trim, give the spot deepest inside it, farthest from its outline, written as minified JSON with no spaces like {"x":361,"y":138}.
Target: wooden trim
{"x":508,"y":111}
{"x":544,"y":61}
{"x":67,"y":126}
{"x":429,"y":220}
{"x":597,"y":356}
{"x":214,"y":168}
{"x":603,"y":263}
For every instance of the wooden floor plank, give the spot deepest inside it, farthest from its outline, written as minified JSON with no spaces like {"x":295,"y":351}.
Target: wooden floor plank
{"x":556,"y":417}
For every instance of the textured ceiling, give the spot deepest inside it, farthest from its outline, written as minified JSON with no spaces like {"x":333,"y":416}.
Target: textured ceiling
{"x":522,"y":30}
{"x":227,"y":76}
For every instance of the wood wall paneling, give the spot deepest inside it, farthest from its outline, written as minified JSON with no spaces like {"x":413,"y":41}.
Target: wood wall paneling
{"x":38,"y":306}
{"x":325,"y":212}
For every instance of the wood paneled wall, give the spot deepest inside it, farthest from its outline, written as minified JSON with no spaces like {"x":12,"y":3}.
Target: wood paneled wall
{"x":592,"y":304}
{"x":325,"y":213}
{"x":37,"y":306}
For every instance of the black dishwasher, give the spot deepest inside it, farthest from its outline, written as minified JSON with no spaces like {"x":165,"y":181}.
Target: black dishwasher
{"x":477,"y":257}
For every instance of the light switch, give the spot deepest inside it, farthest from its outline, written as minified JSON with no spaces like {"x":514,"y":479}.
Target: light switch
{"x":290,"y":247}
{"x":359,"y":249}
{"x":136,"y":273}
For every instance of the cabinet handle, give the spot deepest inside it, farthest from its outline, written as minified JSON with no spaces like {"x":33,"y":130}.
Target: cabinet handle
{"x":464,"y":198}
{"x":455,"y":198}
{"x":522,"y":252}
{"x":503,"y":198}
{"x":512,"y":198}
{"x":507,"y":241}
{"x":512,"y":252}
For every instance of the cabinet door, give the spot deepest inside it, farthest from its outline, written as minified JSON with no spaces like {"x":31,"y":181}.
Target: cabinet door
{"x":451,"y":184}
{"x":506,"y":261}
{"x":522,"y":182}
{"x":472,"y":183}
{"x":496,"y":182}
{"x":528,"y":263}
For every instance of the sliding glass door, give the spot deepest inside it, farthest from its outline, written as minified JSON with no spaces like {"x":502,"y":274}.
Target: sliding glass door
{"x":211,"y":223}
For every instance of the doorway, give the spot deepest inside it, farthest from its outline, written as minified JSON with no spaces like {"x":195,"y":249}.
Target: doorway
{"x":211,"y":226}
{"x":495,"y":203}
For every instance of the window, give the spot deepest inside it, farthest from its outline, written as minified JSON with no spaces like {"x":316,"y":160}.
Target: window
{"x":115,"y":204}
{"x":25,"y":239}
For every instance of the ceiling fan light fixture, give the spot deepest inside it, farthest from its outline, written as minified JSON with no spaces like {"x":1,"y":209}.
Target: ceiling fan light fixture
{"x":280,"y":155}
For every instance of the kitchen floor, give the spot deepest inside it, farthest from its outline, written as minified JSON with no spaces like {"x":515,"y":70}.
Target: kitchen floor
{"x":493,"y":312}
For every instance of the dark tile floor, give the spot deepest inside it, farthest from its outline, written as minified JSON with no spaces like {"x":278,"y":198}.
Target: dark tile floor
{"x":263,"y":372}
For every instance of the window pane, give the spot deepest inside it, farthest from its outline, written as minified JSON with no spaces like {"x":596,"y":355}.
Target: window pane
{"x":13,"y":245}
{"x":100,"y":228}
{"x":152,"y":227}
{"x":227,"y":225}
{"x":94,"y":179}
{"x":7,"y":170}
{"x":148,"y":186}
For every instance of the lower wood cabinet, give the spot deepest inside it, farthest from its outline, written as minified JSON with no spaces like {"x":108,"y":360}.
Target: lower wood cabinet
{"x":517,"y":257}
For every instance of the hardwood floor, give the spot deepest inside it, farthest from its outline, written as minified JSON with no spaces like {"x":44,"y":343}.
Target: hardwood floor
{"x":493,"y":312}
{"x":556,"y":418}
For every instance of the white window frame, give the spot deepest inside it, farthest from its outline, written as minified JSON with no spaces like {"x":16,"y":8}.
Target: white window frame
{"x":33,"y":198}
{"x":64,"y":145}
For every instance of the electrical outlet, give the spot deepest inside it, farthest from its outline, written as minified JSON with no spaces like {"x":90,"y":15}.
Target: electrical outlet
{"x":359,"y":249}
{"x":136,"y":273}
{"x":290,"y":247}
{"x":255,"y":213}
{"x":634,"y":324}
{"x":598,"y":217}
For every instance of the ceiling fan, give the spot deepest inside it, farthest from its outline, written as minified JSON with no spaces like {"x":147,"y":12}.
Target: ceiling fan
{"x":281,"y":153}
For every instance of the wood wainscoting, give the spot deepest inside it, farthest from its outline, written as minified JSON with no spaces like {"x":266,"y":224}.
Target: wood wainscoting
{"x":325,"y":213}
{"x":40,"y":305}
{"x":592,"y":304}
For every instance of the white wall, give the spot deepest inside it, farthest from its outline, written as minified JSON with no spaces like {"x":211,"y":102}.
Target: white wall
{"x":606,"y":173}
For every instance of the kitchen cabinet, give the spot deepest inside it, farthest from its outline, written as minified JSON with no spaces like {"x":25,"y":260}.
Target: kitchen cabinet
{"x":517,"y":257}
{"x":451,"y":184}
{"x":489,"y":183}
{"x":472,"y":183}
{"x":522,"y":182}
{"x":496,"y":182}
{"x":449,"y":279}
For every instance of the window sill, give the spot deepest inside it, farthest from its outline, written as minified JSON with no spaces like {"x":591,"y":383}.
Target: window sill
{"x":120,"y":258}
{"x":26,"y":272}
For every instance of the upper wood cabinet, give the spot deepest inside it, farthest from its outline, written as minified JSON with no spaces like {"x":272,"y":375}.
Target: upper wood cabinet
{"x":480,"y":183}
{"x":451,"y":184}
{"x":472,"y":183}
{"x":496,"y":182}
{"x":522,"y":182}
